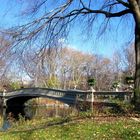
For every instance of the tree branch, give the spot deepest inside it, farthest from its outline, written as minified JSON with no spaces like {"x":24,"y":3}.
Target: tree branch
{"x":107,"y":14}
{"x":124,"y":3}
{"x":55,"y":22}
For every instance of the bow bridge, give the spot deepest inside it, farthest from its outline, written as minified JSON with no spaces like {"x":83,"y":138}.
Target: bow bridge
{"x":70,"y":97}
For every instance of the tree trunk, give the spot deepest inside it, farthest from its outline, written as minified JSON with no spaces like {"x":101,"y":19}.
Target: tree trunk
{"x":137,"y":70}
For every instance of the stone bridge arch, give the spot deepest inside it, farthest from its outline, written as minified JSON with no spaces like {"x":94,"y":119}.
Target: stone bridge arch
{"x":70,"y":97}
{"x":14,"y":101}
{"x":19,"y":97}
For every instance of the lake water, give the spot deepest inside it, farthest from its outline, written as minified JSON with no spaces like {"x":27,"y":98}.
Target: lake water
{"x":34,"y":109}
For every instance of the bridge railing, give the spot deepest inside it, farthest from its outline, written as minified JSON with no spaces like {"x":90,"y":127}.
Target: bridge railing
{"x":72,"y":95}
{"x":107,"y":96}
{"x":97,"y":96}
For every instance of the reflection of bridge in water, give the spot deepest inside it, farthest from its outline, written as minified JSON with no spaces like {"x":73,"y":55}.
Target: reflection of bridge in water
{"x":70,"y":97}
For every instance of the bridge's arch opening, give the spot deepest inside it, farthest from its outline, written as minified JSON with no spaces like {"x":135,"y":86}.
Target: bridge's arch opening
{"x":48,"y":107}
{"x":47,"y":102}
{"x":29,"y":107}
{"x":16,"y":106}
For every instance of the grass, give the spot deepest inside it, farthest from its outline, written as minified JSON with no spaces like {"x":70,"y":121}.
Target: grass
{"x":82,"y":128}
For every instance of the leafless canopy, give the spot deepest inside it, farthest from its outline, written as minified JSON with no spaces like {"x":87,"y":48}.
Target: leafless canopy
{"x":54,"y":21}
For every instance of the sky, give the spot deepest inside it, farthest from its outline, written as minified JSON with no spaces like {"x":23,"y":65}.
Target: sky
{"x":118,"y":35}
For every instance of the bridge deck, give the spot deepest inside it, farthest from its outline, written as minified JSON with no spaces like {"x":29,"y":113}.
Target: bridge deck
{"x":68,"y":96}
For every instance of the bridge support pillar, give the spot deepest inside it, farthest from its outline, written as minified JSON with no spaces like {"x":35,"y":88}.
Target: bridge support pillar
{"x":127,"y":98}
{"x":4,"y":103}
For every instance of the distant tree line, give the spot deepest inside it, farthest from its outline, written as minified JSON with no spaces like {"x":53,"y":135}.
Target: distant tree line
{"x":63,"y":67}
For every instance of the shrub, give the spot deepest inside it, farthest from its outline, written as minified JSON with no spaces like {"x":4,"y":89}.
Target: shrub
{"x":91,"y":81}
{"x":15,"y":85}
{"x":116,"y":84}
{"x":53,"y":82}
{"x":129,"y":80}
{"x":123,"y":107}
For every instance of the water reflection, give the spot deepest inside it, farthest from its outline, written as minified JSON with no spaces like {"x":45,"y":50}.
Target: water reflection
{"x":4,"y":121}
{"x":53,"y":111}
{"x":32,"y":111}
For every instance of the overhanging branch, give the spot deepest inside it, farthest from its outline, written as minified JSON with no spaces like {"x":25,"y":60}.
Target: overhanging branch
{"x":124,"y":3}
{"x":109,"y":14}
{"x":49,"y":22}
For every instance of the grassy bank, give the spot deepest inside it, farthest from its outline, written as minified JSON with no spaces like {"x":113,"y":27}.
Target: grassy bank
{"x":98,"y":128}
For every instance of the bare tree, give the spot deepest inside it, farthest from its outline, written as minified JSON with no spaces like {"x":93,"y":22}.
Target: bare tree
{"x":123,"y":65}
{"x":54,"y":24}
{"x":129,"y":60}
{"x":75,"y":67}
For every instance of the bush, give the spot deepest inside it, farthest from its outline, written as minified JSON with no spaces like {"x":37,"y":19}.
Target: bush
{"x":53,"y":82}
{"x":123,"y":107}
{"x":15,"y":85}
{"x":129,"y":80}
{"x":91,"y":82}
{"x":115,"y":84}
